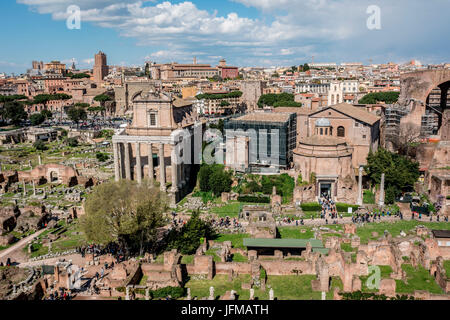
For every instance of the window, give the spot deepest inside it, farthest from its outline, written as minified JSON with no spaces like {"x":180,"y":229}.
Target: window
{"x":364,"y":136}
{"x":152,"y":120}
{"x":341,"y":132}
{"x":356,"y":124}
{"x":321,"y":131}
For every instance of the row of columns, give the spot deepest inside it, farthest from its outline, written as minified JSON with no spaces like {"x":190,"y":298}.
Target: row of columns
{"x":177,"y":169}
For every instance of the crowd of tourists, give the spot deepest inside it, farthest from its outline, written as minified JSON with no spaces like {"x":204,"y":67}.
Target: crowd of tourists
{"x":226,"y":224}
{"x":60,"y":294}
{"x":98,"y":250}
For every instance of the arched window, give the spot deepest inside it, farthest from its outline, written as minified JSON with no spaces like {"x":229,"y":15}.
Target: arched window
{"x":341,"y":132}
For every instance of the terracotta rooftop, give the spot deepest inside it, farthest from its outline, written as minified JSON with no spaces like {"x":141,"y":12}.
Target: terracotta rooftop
{"x":354,"y":112}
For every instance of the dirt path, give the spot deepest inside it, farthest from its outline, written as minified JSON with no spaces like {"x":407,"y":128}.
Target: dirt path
{"x":15,"y":251}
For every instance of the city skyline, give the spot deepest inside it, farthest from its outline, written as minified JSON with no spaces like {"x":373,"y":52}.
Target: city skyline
{"x":244,"y":32}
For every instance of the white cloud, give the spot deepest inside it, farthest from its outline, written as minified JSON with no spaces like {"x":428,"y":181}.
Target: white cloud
{"x":89,"y":61}
{"x":328,"y":29}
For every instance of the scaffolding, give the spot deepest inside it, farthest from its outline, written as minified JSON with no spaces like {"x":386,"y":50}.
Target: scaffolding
{"x":393,"y":116}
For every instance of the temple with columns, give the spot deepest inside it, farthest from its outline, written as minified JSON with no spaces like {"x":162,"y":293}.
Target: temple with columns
{"x":159,"y":144}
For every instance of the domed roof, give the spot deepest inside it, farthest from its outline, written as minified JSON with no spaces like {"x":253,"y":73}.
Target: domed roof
{"x":323,"y":122}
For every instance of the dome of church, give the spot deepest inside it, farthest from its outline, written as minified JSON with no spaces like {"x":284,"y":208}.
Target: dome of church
{"x":323,"y":122}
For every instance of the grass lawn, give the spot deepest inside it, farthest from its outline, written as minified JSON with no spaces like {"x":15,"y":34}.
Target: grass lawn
{"x":385,"y":274}
{"x":347,"y":247}
{"x":329,"y":235}
{"x":294,"y":233}
{"x":365,"y":233}
{"x":285,"y":287}
{"x":143,"y":281}
{"x":237,"y":257}
{"x":232,"y":209}
{"x":187,"y":259}
{"x":237,"y":239}
{"x":213,"y":252}
{"x":447,"y":267}
{"x":37,"y":250}
{"x":229,"y":210}
{"x":418,"y":279}
{"x":336,"y":282}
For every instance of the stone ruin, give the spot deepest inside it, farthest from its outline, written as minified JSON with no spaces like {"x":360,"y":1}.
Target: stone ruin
{"x":22,"y":220}
{"x":261,"y":223}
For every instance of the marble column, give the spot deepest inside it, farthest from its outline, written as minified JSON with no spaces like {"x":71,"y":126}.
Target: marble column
{"x":360,"y":193}
{"x":180,"y":175}
{"x":138,"y":163}
{"x":381,"y":203}
{"x":151,"y":170}
{"x":162,"y":168}
{"x":175,"y":171}
{"x":24,"y":188}
{"x":127,"y":161}
{"x":116,"y":162}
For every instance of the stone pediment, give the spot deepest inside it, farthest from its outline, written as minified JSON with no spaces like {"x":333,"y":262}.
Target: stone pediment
{"x":152,"y":95}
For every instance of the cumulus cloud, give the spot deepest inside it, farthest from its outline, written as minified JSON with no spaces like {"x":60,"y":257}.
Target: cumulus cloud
{"x":327,"y":29}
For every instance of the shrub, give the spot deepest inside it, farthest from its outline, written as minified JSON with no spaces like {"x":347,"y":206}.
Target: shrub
{"x":214,"y":178}
{"x":343,"y":207}
{"x":311,"y":207}
{"x":254,"y":199}
{"x":369,"y":197}
{"x":72,"y":142}
{"x":102,"y":157}
{"x":40,"y":145}
{"x":174,"y":292}
{"x":188,"y":239}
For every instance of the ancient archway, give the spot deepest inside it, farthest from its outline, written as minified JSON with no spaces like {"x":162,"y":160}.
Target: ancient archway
{"x":54,"y":177}
{"x":424,"y":94}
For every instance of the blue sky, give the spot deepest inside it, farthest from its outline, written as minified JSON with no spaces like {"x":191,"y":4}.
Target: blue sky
{"x":245,"y":32}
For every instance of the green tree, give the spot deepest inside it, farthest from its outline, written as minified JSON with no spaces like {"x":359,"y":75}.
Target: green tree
{"x":77,"y":114}
{"x":15,"y":97}
{"x":37,"y":119}
{"x":102,"y":157}
{"x":131,"y":220}
{"x":82,"y":105}
{"x":214,"y":178}
{"x":72,"y":142}
{"x":376,"y":97}
{"x":96,"y":110}
{"x":203,"y":177}
{"x":14,"y":111}
{"x":40,"y":145}
{"x":220,"y":181}
{"x":400,"y":172}
{"x":219,"y":126}
{"x":102,"y":98}
{"x":78,"y":75}
{"x":188,"y":239}
{"x":278,"y":100}
{"x":47,"y":114}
